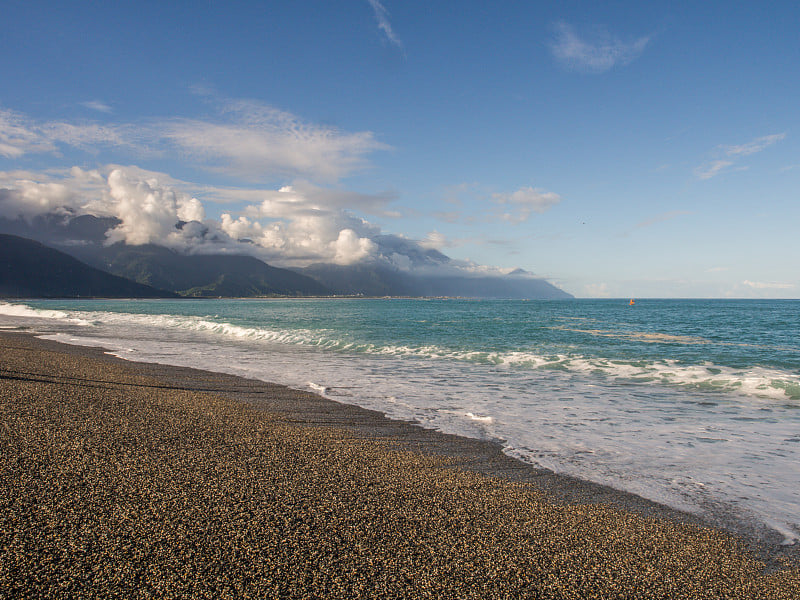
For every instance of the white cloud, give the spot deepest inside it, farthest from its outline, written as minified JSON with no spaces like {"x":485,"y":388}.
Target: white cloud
{"x":97,"y":105}
{"x":525,"y":201}
{"x":770,"y":285}
{"x":434,"y":241}
{"x":28,"y":199}
{"x":285,"y":203}
{"x":85,"y":135}
{"x":18,"y":136}
{"x":732,"y":153}
{"x":757,"y":145}
{"x":28,"y":194}
{"x":249,"y":139}
{"x":304,"y":223}
{"x":303,"y":197}
{"x":382,"y":16}
{"x":259,"y":142}
{"x":305,"y":239}
{"x":712,"y":169}
{"x":350,"y":248}
{"x":149,"y":212}
{"x":596,"y":54}
{"x":292,"y":226}
{"x":190,"y":209}
{"x":241,"y":228}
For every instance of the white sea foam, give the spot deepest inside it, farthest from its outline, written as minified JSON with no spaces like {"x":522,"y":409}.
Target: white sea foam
{"x":756,"y":382}
{"x":319,"y":389}
{"x":475,"y":417}
{"x":25,"y":311}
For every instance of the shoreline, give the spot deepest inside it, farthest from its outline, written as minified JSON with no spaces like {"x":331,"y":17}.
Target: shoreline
{"x":480,"y":455}
{"x":307,"y":413}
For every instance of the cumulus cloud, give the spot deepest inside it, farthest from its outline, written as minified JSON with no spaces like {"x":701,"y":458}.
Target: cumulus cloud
{"x":732,"y":153}
{"x":27,"y":194}
{"x":303,"y":198}
{"x":147,"y":209}
{"x":350,"y":248}
{"x":597,"y":53}
{"x":382,"y":16}
{"x":28,"y":199}
{"x":301,"y":235}
{"x":149,"y":212}
{"x":523,"y":202}
{"x":292,"y":226}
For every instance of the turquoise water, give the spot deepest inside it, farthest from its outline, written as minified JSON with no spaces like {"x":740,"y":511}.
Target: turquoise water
{"x":689,"y":402}
{"x":751,"y":346}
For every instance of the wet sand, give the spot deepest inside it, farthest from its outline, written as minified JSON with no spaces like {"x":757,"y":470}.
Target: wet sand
{"x":135,"y":480}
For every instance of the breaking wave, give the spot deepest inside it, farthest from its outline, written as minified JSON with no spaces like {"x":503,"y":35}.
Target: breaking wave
{"x":753,"y":381}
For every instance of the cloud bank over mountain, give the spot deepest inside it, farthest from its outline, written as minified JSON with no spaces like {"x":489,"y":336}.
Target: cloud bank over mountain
{"x":285,"y":203}
{"x":293,"y":226}
{"x":300,"y":228}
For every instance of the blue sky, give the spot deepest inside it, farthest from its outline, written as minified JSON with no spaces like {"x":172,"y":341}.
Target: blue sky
{"x":616,"y":149}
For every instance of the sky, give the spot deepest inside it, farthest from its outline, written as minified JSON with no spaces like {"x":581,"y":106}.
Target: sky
{"x":616,"y":149}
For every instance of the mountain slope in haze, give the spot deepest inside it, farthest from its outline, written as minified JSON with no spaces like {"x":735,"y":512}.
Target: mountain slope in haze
{"x":204,"y":275}
{"x":380,"y":280}
{"x":399,"y":267}
{"x":196,"y":275}
{"x":409,"y":269}
{"x":29,"y":269}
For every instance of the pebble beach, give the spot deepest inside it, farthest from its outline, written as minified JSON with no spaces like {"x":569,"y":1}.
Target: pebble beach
{"x":146,"y":481}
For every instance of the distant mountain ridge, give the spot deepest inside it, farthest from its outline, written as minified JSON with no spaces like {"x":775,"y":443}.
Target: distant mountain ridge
{"x":379,"y":280}
{"x":198,"y":275}
{"x":404,"y":269}
{"x":29,"y":269}
{"x":207,"y":275}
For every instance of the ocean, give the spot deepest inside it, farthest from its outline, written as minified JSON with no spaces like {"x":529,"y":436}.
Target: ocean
{"x":691,"y":403}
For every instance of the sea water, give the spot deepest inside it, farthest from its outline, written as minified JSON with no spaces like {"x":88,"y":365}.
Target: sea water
{"x":691,"y":403}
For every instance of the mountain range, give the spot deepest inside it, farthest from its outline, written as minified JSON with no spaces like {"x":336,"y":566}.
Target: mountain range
{"x":163,"y":271}
{"x":29,"y":269}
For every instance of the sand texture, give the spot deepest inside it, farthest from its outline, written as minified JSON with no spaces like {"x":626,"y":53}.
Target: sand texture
{"x":120,"y":480}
